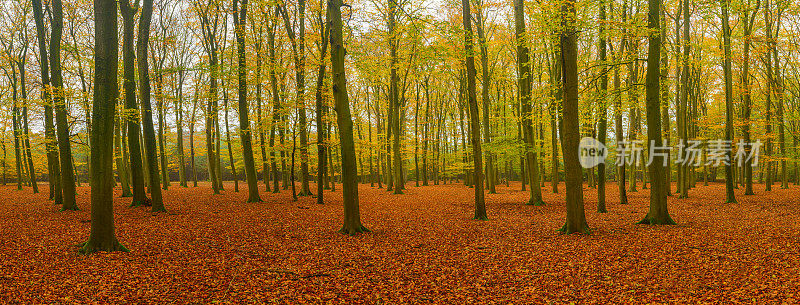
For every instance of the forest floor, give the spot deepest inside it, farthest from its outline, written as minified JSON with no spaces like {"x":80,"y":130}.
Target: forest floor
{"x":423,"y":248}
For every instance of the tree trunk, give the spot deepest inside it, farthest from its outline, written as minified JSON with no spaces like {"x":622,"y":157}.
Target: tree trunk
{"x":726,"y":67}
{"x":658,"y":214}
{"x":352,"y":218}
{"x":475,"y":133}
{"x":239,"y":18}
{"x":102,"y":236}
{"x":601,"y":125}
{"x":570,"y":136}
{"x":65,"y":151}
{"x":53,"y":171}
{"x":322,"y":111}
{"x":147,"y":112}
{"x":131,"y":113}
{"x":161,"y":122}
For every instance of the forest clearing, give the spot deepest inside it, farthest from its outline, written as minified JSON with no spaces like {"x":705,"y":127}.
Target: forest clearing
{"x":423,"y":248}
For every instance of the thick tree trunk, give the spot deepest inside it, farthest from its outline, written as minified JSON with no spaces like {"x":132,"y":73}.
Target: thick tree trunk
{"x":102,"y":236}
{"x":658,"y":214}
{"x":570,"y":135}
{"x":352,"y":217}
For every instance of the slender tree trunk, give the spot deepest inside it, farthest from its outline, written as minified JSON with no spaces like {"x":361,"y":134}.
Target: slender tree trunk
{"x":147,"y":112}
{"x":749,"y":20}
{"x":119,"y":160}
{"x":53,"y":171}
{"x":228,"y":142}
{"x":602,"y":109}
{"x":524,"y":83}
{"x":298,"y":48}
{"x":179,"y":125}
{"x":65,"y":152}
{"x":276,"y":104}
{"x":726,"y":67}
{"x":239,"y":18}
{"x":475,"y":134}
{"x":486,"y":82}
{"x":322,"y":111}
{"x":161,"y":122}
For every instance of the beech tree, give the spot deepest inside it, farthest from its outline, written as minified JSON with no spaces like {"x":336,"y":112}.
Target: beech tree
{"x":102,"y":236}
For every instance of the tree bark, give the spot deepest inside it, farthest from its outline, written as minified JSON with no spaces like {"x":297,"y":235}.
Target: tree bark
{"x":147,"y":112}
{"x":570,"y":135}
{"x":658,"y":214}
{"x":352,"y":217}
{"x":102,"y":236}
{"x":239,"y":18}
{"x":475,"y":132}
{"x":65,"y":151}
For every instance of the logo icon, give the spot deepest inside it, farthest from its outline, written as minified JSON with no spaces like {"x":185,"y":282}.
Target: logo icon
{"x":591,"y":152}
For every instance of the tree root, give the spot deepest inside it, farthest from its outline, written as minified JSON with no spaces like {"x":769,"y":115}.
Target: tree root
{"x":585,"y":230}
{"x":666,"y":220}
{"x":91,"y":247}
{"x":354,"y":231}
{"x":536,"y":202}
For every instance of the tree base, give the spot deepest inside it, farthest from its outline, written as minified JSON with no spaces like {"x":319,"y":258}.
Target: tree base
{"x":137,"y":203}
{"x":126,"y":195}
{"x":602,"y":210}
{"x":257,"y":199}
{"x":354,"y":230}
{"x":90,"y":247}
{"x":65,"y":208}
{"x":536,"y":202}
{"x":480,"y":217}
{"x":585,"y":230}
{"x":662,"y":220}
